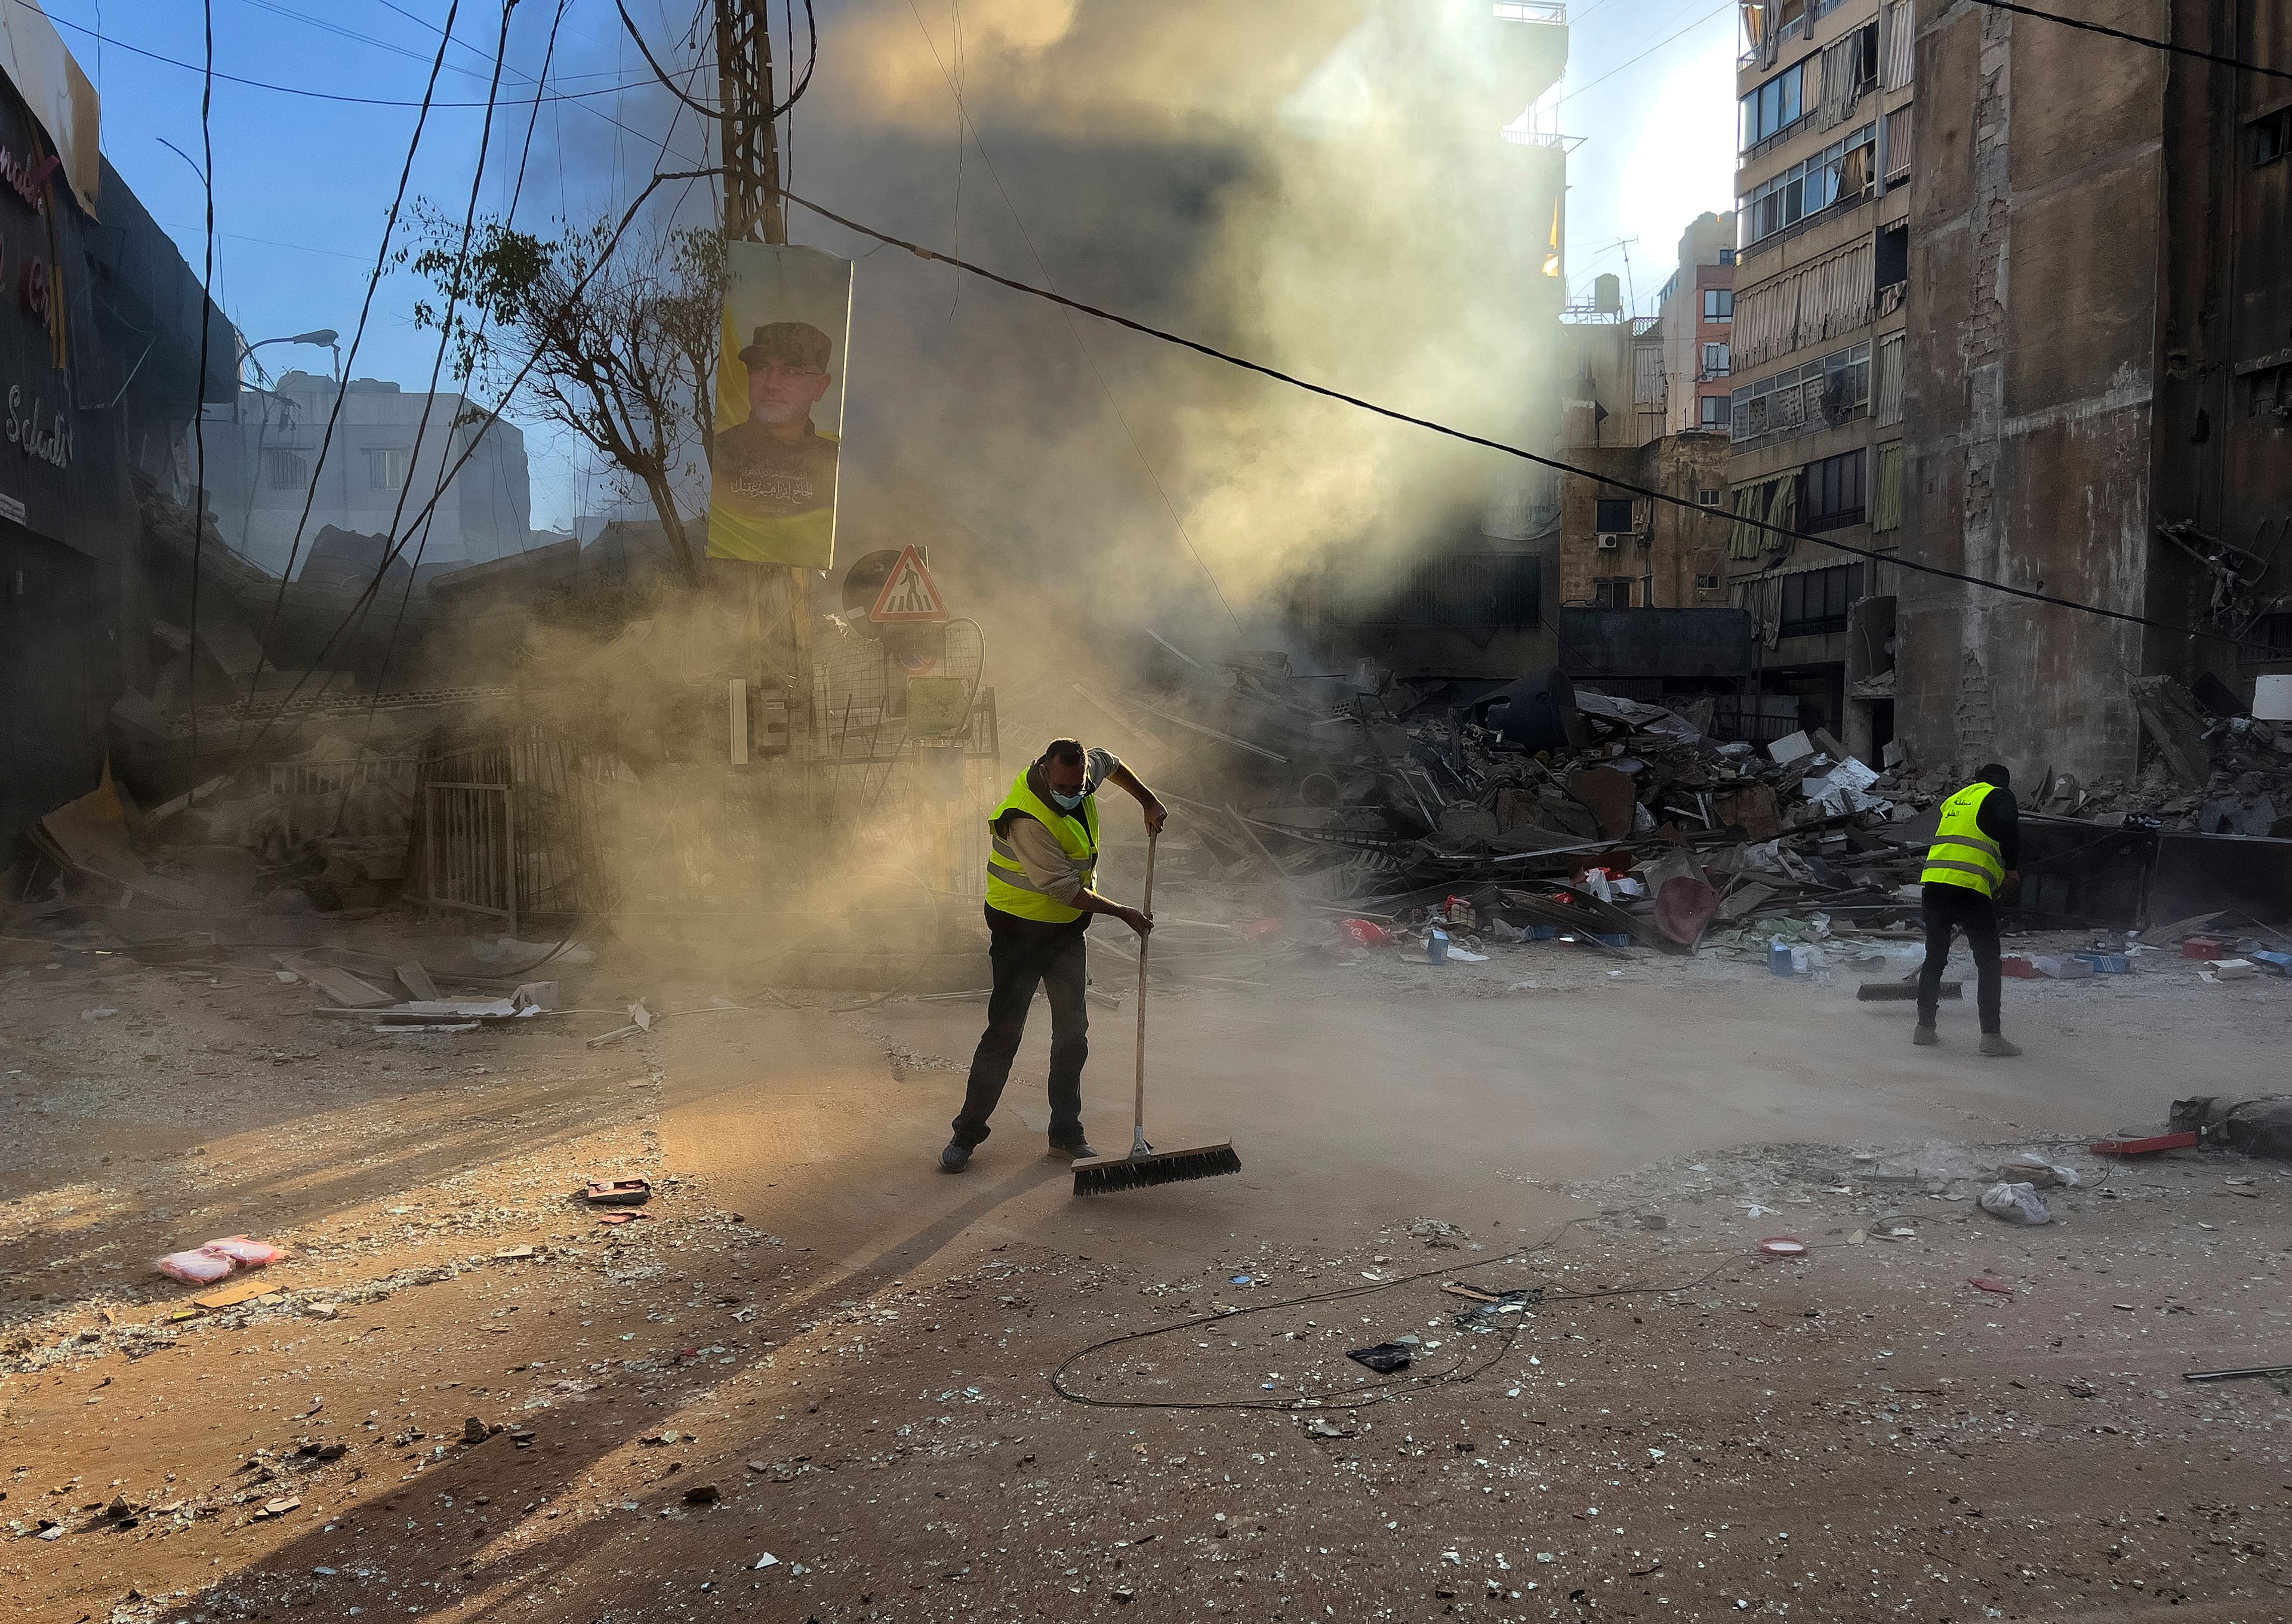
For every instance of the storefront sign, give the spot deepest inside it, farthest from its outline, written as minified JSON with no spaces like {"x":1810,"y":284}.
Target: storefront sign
{"x":50,"y":442}
{"x":28,"y":180}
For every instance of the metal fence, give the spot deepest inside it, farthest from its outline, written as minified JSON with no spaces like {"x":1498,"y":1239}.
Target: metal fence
{"x":505,"y":825}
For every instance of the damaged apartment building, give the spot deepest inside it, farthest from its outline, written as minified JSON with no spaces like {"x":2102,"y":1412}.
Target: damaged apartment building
{"x":2048,"y":346}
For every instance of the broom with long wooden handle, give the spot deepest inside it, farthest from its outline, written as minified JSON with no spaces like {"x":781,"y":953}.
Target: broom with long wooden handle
{"x":1145,"y":1165}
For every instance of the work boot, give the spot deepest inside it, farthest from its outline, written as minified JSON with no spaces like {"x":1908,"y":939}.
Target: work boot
{"x":1080,"y":1151}
{"x":1925,"y":1036}
{"x":1993,"y":1043}
{"x":955,"y":1158}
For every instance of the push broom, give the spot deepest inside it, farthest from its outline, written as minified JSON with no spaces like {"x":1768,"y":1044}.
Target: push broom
{"x":1146,"y":1165}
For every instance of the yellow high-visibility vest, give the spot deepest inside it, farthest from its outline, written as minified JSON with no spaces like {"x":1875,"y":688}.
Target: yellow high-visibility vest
{"x":1008,"y":889}
{"x":1961,"y":855}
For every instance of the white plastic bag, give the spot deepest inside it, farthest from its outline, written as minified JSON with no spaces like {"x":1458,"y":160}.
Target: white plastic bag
{"x":2015,"y":1203}
{"x":199,"y":1268}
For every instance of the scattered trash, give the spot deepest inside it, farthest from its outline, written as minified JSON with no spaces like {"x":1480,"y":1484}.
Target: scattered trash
{"x":2015,"y":1202}
{"x":205,"y":1265}
{"x":618,"y":1193}
{"x":765,"y":1561}
{"x":1322,"y":1427}
{"x":2143,"y":1146}
{"x":622,"y":1218}
{"x":1436,"y":946}
{"x":1983,"y":1282}
{"x":1363,"y":934}
{"x":1384,"y":1358}
{"x":1783,"y":1246}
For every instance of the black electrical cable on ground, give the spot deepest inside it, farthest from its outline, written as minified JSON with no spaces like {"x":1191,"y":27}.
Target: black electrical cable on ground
{"x":1366,"y":1393}
{"x":1326,"y":392}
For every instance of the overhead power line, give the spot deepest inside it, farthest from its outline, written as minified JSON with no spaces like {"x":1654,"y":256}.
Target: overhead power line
{"x":297,"y":90}
{"x":2238,"y":63}
{"x":349,"y":365}
{"x":1434,"y":426}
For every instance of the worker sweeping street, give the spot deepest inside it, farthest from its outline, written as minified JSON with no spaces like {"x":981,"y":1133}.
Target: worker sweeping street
{"x":1041,"y":866}
{"x":1976,"y":851}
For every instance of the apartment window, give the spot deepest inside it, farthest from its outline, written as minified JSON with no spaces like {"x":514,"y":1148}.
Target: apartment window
{"x":1706,"y":583}
{"x":1726,"y":256}
{"x":1816,"y":600}
{"x":387,"y":467}
{"x":1718,"y":304}
{"x":1819,"y":395}
{"x":2272,"y":137}
{"x":1777,"y":105}
{"x":284,"y":470}
{"x":1708,"y":498}
{"x":1715,"y":411}
{"x":1838,"y":173}
{"x":1714,"y":361}
{"x":1612,"y":515}
{"x":1892,"y":258}
{"x":1833,"y":497}
{"x":1612,"y":591}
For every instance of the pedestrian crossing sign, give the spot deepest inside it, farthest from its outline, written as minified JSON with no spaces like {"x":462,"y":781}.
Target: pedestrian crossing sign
{"x":909,"y":593}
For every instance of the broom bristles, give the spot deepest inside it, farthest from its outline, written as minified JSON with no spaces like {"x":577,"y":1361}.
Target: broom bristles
{"x":1115,"y":1174}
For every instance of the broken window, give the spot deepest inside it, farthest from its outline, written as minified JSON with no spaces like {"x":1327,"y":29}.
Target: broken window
{"x":1706,"y":583}
{"x":1612,"y":591}
{"x":2272,"y":390}
{"x":1834,"y":492}
{"x":2269,"y":637}
{"x":1820,"y":394}
{"x":1893,"y":256}
{"x":1815,"y":601}
{"x":2272,"y":137}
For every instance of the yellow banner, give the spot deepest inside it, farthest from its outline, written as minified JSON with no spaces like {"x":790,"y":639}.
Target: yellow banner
{"x":780,"y":406}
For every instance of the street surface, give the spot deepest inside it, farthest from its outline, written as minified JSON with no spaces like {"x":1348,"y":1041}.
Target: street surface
{"x":818,"y":1348}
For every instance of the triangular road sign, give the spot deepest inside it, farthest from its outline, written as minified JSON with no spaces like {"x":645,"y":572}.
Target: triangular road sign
{"x":909,"y":593}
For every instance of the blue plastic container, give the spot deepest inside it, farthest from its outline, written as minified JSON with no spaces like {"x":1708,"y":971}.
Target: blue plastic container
{"x":1436,"y":947}
{"x":1779,"y":956}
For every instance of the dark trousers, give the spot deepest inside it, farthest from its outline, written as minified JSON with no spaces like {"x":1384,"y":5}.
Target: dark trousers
{"x":1025,"y":953}
{"x":1959,"y":908}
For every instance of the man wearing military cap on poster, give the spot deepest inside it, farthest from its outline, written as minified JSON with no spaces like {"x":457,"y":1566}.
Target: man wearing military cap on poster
{"x":773,"y":475}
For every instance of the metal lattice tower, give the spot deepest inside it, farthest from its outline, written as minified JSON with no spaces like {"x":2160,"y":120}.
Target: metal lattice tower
{"x":750,"y":138}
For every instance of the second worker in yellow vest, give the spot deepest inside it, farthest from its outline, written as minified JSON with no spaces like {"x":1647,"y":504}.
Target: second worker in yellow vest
{"x":1042,"y":871}
{"x":1975,"y":852}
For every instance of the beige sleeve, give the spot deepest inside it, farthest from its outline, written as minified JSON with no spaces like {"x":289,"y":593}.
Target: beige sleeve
{"x":1045,"y":859}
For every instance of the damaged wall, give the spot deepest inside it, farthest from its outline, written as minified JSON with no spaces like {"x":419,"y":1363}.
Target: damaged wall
{"x":2061,"y":403}
{"x":2027,"y":390}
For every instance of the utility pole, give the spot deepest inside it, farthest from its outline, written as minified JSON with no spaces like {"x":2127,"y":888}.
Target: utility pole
{"x":749,"y":141}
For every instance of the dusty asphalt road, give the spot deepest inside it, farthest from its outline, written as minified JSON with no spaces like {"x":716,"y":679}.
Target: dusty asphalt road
{"x":820,"y":1348}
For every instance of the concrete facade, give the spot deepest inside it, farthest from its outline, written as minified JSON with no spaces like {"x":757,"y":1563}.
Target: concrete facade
{"x":1665,"y":557}
{"x":2109,"y":426}
{"x":263,"y":456}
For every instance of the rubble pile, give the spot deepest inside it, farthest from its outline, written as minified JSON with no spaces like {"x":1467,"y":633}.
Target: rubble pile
{"x":1542,"y":811}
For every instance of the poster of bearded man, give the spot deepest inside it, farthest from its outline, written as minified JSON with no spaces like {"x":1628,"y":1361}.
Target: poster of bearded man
{"x":779,"y":405}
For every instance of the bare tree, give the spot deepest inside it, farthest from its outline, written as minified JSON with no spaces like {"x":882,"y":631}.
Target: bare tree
{"x":629,"y":365}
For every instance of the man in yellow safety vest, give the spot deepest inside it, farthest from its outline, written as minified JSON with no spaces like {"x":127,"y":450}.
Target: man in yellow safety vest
{"x":1976,"y":850}
{"x":1042,"y":862}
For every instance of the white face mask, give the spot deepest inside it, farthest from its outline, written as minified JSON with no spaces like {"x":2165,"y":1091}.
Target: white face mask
{"x":1065,"y":802}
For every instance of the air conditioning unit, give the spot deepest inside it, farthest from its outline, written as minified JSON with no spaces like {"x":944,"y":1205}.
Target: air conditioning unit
{"x":1610,"y":540}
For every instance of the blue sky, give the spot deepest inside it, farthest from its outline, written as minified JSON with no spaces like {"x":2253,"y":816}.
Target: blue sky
{"x":303,"y":183}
